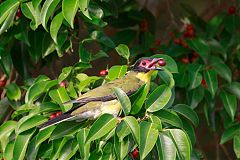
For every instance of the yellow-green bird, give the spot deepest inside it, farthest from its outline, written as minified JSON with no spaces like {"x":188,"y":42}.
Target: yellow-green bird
{"x":102,"y":99}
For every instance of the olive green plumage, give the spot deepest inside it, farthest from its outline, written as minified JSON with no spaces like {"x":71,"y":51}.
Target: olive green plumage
{"x":102,"y":99}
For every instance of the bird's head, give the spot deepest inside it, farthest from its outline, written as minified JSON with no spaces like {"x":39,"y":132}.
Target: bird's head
{"x":147,"y":64}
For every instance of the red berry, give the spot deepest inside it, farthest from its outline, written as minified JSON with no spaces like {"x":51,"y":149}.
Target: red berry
{"x":185,"y":60}
{"x":103,"y":72}
{"x":157,"y":42}
{"x":52,"y":116}
{"x":135,"y":153}
{"x":19,"y":13}
{"x":189,"y":27}
{"x":184,"y":44}
{"x":191,"y":33}
{"x":171,"y":34}
{"x":58,"y":113}
{"x":195,"y":54}
{"x":2,"y":83}
{"x":63,"y":84}
{"x":232,"y":10}
{"x":162,"y":62}
{"x":144,"y":26}
{"x":204,"y":83}
{"x":178,"y":41}
{"x":185,"y":34}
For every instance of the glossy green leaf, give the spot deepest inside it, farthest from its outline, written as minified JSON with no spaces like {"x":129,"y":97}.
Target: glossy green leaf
{"x":102,"y":38}
{"x":231,"y":23}
{"x":69,"y":9}
{"x":122,"y":130}
{"x":37,"y":89}
{"x":181,"y":142}
{"x":36,"y":3}
{"x":32,"y":13}
{"x":60,"y":96}
{"x":139,"y":98}
{"x":69,"y":150}
{"x":212,"y":82}
{"x":48,"y":107}
{"x":47,"y":10}
{"x":195,"y":78}
{"x":188,"y":128}
{"x":148,"y":138}
{"x":9,"y":20}
{"x":101,"y":127}
{"x":21,"y":144}
{"x":195,"y":96}
{"x":216,"y":47}
{"x":200,"y":46}
{"x":167,"y":77}
{"x":30,"y":123}
{"x":7,"y":128}
{"x":8,"y":153}
{"x":158,"y":98}
{"x":134,"y":127}
{"x":236,"y":145}
{"x":6,"y":7}
{"x":83,"y":5}
{"x":187,"y":112}
{"x":83,"y":146}
{"x":157,"y":121}
{"x":229,"y":103}
{"x":13,"y":92}
{"x":234,"y":88}
{"x":55,"y":26}
{"x":165,"y":147}
{"x":223,"y":70}
{"x":123,"y":99}
{"x":65,"y":73}
{"x":229,"y":133}
{"x":121,"y":147}
{"x":57,"y":147}
{"x":213,"y":25}
{"x":116,"y":72}
{"x":65,"y":128}
{"x":170,"y":117}
{"x":123,"y":51}
{"x":171,"y":65}
{"x":5,"y":62}
{"x":43,"y":135}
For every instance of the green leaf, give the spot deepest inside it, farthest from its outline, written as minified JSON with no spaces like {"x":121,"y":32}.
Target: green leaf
{"x":64,"y":129}
{"x":187,"y":112}
{"x":134,"y":127}
{"x":122,"y":130}
{"x":116,"y":72}
{"x":213,"y":25}
{"x":223,"y":70}
{"x":195,"y":78}
{"x":36,"y":3}
{"x":65,"y":73}
{"x":32,"y":13}
{"x":167,"y":77}
{"x":83,"y":146}
{"x":234,"y":88}
{"x":7,"y":128}
{"x":37,"y":89}
{"x":9,"y":20}
{"x":139,"y":98}
{"x":157,"y":121}
{"x":8,"y":153}
{"x":188,"y":128}
{"x":171,"y":65}
{"x":123,"y":99}
{"x":195,"y":96}
{"x":230,"y":103}
{"x":236,"y":145}
{"x":102,"y":38}
{"x":165,"y":147}
{"x":69,"y":150}
{"x":123,"y":51}
{"x":121,"y":147}
{"x":212,"y":82}
{"x":21,"y":144}
{"x":69,"y":9}
{"x":48,"y":107}
{"x":30,"y":123}
{"x":229,"y":133}
{"x":5,"y":62}
{"x":6,"y":7}
{"x":148,"y":138}
{"x":55,"y":26}
{"x":181,"y":142}
{"x":57,"y":146}
{"x":200,"y":46}
{"x":158,"y":98}
{"x":43,"y":135}
{"x":101,"y":127}
{"x":83,"y":5}
{"x":60,"y":96}
{"x":13,"y":92}
{"x":231,"y":23}
{"x":47,"y":10}
{"x":169,"y":117}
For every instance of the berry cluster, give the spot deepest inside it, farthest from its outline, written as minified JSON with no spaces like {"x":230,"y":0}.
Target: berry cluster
{"x":54,"y":115}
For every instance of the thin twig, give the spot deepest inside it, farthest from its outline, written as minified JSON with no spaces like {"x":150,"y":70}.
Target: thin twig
{"x":171,"y":14}
{"x":7,"y":82}
{"x":225,"y":152}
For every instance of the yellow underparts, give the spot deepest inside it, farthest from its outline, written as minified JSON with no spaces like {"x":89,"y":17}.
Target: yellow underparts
{"x":145,"y":77}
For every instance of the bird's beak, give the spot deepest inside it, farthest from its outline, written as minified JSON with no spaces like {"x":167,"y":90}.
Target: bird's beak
{"x":153,"y":66}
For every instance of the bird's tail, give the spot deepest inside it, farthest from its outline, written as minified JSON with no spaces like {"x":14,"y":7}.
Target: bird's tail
{"x":59,"y":119}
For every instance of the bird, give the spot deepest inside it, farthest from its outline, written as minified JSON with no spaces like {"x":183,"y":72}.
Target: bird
{"x":102,"y":99}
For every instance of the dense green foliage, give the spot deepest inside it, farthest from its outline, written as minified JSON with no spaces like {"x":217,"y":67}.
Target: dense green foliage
{"x":201,"y":72}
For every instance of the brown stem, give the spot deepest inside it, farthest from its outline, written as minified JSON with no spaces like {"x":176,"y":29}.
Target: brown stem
{"x":225,"y":151}
{"x":217,"y":146}
{"x":7,"y":82}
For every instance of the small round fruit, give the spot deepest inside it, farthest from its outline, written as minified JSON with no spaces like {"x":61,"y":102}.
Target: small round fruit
{"x":52,"y":116}
{"x":204,"y":83}
{"x":189,"y":27}
{"x":63,"y":84}
{"x":162,"y":62}
{"x":2,"y":83}
{"x":232,"y":10}
{"x":185,"y":60}
{"x":103,"y":72}
{"x":58,"y":113}
{"x":178,"y":41}
{"x":135,"y":153}
{"x":157,"y":42}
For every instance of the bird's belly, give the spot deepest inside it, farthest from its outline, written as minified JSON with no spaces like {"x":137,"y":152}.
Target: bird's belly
{"x":111,"y":107}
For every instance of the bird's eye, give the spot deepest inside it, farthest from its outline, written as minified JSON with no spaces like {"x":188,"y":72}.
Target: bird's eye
{"x":144,"y":63}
